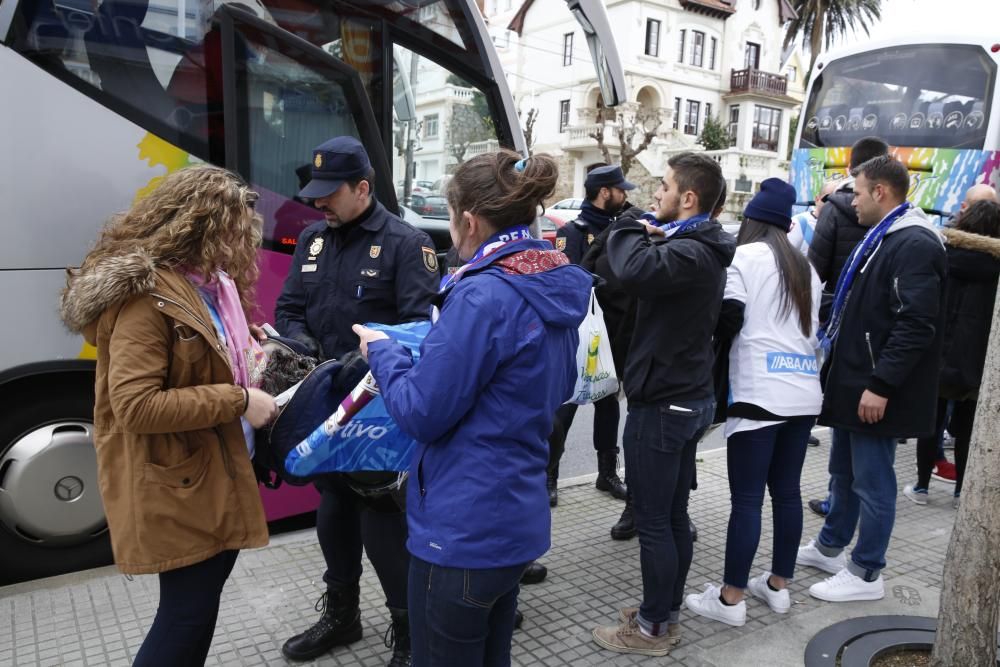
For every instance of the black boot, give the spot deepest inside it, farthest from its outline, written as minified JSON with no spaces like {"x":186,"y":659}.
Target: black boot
{"x":397,"y":637}
{"x":339,"y":625}
{"x":607,"y":474}
{"x":552,"y":485}
{"x":625,"y":528}
{"x":535,"y":573}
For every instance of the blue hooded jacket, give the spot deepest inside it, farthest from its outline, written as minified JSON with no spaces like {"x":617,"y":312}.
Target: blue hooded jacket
{"x":493,"y":369}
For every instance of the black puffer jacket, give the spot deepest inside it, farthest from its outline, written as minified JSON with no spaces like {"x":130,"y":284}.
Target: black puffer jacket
{"x":891,"y":334}
{"x":837,"y":232}
{"x":678,"y":283}
{"x":973,"y":268}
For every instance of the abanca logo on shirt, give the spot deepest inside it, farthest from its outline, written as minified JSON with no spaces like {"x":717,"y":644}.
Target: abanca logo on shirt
{"x":786,"y":362}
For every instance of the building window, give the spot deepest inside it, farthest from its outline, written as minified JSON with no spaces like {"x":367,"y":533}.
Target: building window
{"x":563,"y":114}
{"x":734,"y":123}
{"x":711,"y":53}
{"x":653,"y":38}
{"x":708,"y":111}
{"x":677,"y":112}
{"x":752,"y":56}
{"x":567,"y":49}
{"x":691,"y":118}
{"x":697,"y":48}
{"x":793,"y":74}
{"x":431,"y":126}
{"x":680,"y":53}
{"x":766,"y":127}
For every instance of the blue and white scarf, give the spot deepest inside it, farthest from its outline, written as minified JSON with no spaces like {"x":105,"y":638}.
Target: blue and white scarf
{"x":681,"y":226}
{"x":862,"y":252}
{"x":490,"y":246}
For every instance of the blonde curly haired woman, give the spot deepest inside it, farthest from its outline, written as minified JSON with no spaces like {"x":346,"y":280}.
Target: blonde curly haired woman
{"x":164,"y":296}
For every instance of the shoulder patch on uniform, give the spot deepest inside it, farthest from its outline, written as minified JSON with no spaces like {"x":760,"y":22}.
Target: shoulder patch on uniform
{"x":590,"y":239}
{"x":560,"y":243}
{"x":375,"y":251}
{"x":430,"y":258}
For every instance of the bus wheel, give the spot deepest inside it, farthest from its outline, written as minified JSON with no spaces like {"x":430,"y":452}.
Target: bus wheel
{"x":51,"y":516}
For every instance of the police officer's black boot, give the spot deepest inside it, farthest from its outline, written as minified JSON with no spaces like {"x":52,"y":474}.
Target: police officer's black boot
{"x":625,"y":528}
{"x":339,"y":625}
{"x":397,"y":637}
{"x":607,"y":474}
{"x":552,"y":485}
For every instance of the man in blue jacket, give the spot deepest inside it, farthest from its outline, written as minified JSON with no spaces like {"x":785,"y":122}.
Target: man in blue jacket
{"x":360,"y":264}
{"x":884,"y":343}
{"x":677,"y":271}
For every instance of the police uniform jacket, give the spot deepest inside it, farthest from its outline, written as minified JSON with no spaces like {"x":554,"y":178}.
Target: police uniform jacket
{"x":375,"y":269}
{"x":575,"y":237}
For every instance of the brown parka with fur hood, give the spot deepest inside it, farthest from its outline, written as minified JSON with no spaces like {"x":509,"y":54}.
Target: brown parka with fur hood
{"x":175,"y":477}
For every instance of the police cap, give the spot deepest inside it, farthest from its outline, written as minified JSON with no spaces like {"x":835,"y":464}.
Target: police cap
{"x":338,"y":160}
{"x":607,"y":177}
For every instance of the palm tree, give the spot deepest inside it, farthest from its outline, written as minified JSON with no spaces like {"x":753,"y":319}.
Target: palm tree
{"x":820,"y":22}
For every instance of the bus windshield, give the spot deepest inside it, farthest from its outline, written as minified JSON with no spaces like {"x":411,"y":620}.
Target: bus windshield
{"x":927,"y":95}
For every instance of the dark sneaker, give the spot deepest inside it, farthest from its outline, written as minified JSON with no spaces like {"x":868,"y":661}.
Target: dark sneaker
{"x":820,"y":507}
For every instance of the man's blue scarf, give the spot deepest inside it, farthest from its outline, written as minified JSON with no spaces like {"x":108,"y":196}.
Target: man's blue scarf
{"x":681,"y":226}
{"x":857,"y":259}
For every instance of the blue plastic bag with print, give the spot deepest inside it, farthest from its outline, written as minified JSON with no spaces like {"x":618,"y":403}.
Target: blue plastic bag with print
{"x":371,"y":440}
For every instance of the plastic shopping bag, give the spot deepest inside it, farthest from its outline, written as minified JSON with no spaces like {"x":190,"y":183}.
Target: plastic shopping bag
{"x":370,"y":439}
{"x":596,"y":377}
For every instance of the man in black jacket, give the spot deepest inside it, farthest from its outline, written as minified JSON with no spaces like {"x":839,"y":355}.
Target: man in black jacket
{"x":677,"y":272}
{"x":884,"y":337}
{"x":837,"y":229}
{"x":606,"y":190}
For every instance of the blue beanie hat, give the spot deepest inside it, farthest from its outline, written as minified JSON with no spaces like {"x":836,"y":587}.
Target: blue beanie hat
{"x":773,"y":204}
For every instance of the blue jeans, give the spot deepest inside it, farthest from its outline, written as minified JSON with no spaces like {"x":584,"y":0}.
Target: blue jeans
{"x":771,"y":456}
{"x":185,"y":619}
{"x":862,"y":486}
{"x":462,"y":617}
{"x":661,"y":442}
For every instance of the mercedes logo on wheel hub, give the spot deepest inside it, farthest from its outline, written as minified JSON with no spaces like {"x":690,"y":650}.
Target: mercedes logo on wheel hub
{"x":69,"y":488}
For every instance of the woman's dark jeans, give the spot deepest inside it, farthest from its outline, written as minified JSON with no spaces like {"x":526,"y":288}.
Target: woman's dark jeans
{"x":960,"y":426}
{"x":771,"y":456}
{"x":182,"y":630}
{"x":462,"y":616}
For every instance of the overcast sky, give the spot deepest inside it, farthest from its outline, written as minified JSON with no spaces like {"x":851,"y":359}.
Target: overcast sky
{"x":929,"y":17}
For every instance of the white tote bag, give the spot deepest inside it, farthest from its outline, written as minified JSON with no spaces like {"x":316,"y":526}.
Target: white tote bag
{"x":595,"y":366}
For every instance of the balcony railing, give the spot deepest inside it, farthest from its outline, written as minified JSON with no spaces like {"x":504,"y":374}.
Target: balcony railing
{"x":752,"y":80}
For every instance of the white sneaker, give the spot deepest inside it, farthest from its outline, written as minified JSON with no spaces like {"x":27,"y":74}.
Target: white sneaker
{"x":707,"y":604}
{"x":779,"y":601}
{"x":919,"y":496}
{"x":811,"y":556}
{"x":848,"y":587}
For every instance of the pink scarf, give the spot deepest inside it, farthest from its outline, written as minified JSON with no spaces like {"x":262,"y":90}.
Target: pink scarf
{"x":247,"y":356}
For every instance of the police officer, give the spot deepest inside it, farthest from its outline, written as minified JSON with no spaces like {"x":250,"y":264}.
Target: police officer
{"x":606,"y":191}
{"x":361,"y":264}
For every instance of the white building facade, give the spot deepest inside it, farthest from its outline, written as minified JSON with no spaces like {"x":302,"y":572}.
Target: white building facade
{"x":685,"y":61}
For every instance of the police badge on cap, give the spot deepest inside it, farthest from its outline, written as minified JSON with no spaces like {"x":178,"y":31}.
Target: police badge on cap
{"x":334,"y":162}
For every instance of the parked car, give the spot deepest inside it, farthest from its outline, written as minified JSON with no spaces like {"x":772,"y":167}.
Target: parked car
{"x":565,"y":210}
{"x":430,"y":206}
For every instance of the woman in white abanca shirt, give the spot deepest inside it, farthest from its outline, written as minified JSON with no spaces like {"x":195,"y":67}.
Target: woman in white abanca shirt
{"x":770,"y":310}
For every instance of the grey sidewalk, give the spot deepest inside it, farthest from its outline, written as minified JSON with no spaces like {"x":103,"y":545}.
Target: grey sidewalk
{"x":99,"y":617}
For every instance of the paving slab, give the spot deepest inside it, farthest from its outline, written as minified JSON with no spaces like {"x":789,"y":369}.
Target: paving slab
{"x":99,"y":617}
